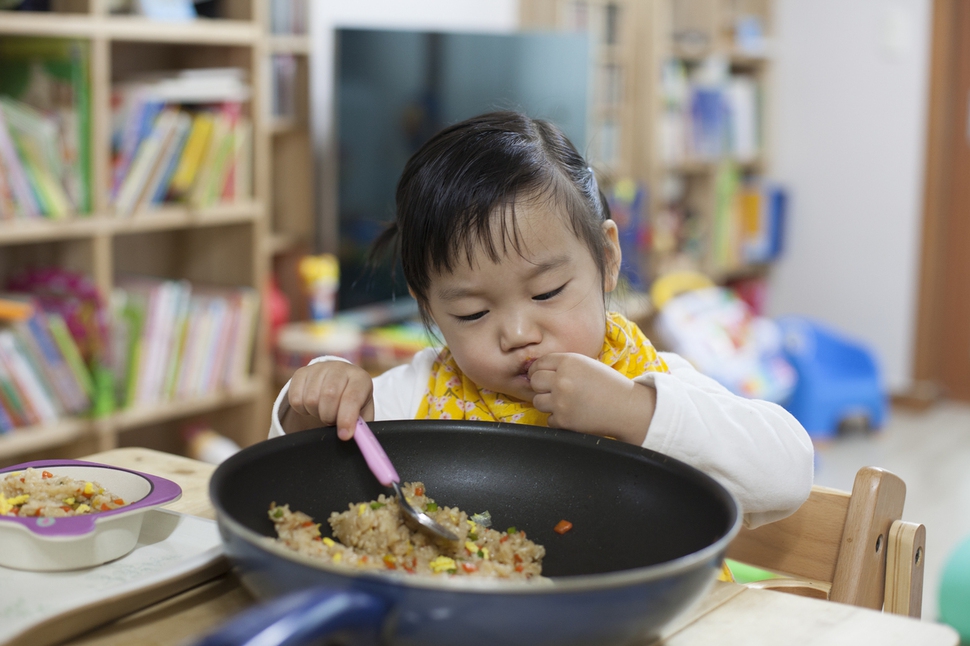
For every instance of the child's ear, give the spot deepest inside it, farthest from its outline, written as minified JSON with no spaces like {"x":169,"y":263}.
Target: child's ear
{"x":613,"y":256}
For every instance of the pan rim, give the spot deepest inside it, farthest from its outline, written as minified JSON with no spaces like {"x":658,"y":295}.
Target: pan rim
{"x":559,"y":585}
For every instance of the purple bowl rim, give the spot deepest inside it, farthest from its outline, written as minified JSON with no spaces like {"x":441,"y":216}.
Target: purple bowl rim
{"x":161,"y":491}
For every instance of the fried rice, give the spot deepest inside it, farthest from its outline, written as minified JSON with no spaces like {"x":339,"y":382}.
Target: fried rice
{"x":37,"y":492}
{"x":377,"y":536}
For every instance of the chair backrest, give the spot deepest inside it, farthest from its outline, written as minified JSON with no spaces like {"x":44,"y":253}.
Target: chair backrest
{"x":852,"y":548}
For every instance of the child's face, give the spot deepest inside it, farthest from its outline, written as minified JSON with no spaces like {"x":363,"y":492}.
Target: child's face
{"x":497,"y":318}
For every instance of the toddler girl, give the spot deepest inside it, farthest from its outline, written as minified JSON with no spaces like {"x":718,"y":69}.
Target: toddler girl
{"x":507,"y":246}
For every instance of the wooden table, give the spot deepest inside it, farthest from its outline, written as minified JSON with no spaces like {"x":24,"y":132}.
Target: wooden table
{"x":729,"y":615}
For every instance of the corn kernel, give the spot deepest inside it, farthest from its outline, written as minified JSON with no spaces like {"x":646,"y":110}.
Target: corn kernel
{"x":338,"y":557}
{"x":82,"y":509}
{"x":69,"y":501}
{"x":88,"y":488}
{"x":442,"y":564}
{"x":360,"y":510}
{"x":329,"y":542}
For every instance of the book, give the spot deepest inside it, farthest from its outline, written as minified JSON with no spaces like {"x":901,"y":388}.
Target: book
{"x":146,"y":159}
{"x":174,"y":297}
{"x":192,"y":154}
{"x":15,"y":308}
{"x":6,"y":422}
{"x":69,"y":350}
{"x":140,"y":113}
{"x":215,"y":166}
{"x":134,"y":313}
{"x":36,"y":140}
{"x":191,"y":346}
{"x":35,"y":334}
{"x":26,"y":379}
{"x":53,"y":76}
{"x":159,"y":185}
{"x":20,"y":187}
{"x":245,"y":340}
{"x":12,"y":400}
{"x":8,"y":206}
{"x":176,"y":353}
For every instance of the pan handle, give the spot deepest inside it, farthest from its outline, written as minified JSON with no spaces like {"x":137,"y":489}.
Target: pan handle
{"x":300,"y":617}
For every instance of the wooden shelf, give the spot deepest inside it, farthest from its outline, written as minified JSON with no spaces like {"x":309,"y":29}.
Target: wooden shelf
{"x":295,"y":44}
{"x":699,"y":166}
{"x":230,"y":244}
{"x":282,"y":126}
{"x":278,"y":243}
{"x":39,"y":438}
{"x":634,"y":46}
{"x":160,"y":219}
{"x":129,"y":28}
{"x":145,"y":415}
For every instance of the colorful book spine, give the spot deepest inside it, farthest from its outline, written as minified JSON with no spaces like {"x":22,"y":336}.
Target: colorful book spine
{"x":140,"y":120}
{"x":145,"y":160}
{"x":160,"y":185}
{"x":71,"y":353}
{"x":35,"y":333}
{"x":28,"y":382}
{"x":6,"y":422}
{"x":36,"y":139}
{"x":12,"y":400}
{"x":17,"y":176}
{"x":192,"y":155}
{"x":212,"y":177}
{"x":56,"y":72}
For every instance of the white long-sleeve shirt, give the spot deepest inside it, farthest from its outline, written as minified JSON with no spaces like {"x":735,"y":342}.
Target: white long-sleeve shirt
{"x":756,"y":449}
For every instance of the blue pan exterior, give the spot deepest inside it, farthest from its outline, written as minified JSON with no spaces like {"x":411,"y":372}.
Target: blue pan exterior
{"x":620,"y":614}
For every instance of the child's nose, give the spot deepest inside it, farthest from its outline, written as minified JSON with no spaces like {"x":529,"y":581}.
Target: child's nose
{"x":519,"y":331}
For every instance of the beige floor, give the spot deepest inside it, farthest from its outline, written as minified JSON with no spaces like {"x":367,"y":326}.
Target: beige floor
{"x":930,"y":451}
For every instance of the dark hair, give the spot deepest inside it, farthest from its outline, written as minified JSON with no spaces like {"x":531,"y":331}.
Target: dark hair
{"x":452,"y":185}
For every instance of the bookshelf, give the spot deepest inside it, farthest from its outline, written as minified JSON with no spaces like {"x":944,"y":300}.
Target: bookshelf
{"x":646,"y":55}
{"x":234,"y":243}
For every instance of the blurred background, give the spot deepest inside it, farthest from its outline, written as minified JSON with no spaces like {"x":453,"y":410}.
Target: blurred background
{"x":186,"y":213}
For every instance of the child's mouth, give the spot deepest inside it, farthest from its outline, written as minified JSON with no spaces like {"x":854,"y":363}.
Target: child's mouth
{"x":524,"y":371}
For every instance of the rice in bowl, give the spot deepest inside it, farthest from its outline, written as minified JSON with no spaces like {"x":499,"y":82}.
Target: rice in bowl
{"x":38,"y":492}
{"x":375,"y":536}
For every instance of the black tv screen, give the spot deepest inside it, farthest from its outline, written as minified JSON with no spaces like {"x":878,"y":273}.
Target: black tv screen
{"x":395,"y":89}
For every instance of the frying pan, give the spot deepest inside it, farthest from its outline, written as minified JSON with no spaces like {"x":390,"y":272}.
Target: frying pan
{"x":648,"y":536}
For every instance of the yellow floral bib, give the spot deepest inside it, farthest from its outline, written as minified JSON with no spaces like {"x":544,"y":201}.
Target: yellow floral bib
{"x":452,"y":395}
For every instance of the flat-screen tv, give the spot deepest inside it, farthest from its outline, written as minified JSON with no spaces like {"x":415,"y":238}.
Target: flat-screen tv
{"x":395,"y":89}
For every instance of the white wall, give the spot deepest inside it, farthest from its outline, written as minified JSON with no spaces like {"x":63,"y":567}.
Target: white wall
{"x":849,"y":115}
{"x":453,"y":15}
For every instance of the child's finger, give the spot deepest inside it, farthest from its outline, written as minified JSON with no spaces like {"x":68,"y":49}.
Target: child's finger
{"x":349,"y":409}
{"x":297,"y":393}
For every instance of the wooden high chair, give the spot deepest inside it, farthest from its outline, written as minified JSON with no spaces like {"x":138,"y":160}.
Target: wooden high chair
{"x":852,"y":548}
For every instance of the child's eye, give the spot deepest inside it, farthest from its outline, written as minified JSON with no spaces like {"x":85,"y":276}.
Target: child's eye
{"x":548,"y":295}
{"x":471,"y":317}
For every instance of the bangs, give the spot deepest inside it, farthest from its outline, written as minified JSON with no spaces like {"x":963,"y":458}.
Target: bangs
{"x":494,"y":229}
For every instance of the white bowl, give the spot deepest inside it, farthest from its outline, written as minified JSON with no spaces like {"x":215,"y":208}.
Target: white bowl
{"x":48,"y":544}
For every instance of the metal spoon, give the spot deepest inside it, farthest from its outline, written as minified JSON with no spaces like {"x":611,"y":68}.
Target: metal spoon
{"x":380,"y":465}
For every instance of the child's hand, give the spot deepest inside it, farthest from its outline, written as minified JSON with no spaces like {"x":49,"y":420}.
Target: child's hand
{"x":335,"y":393}
{"x":588,"y":396}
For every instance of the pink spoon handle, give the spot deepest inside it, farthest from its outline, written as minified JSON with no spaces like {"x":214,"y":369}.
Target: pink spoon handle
{"x":380,"y":465}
